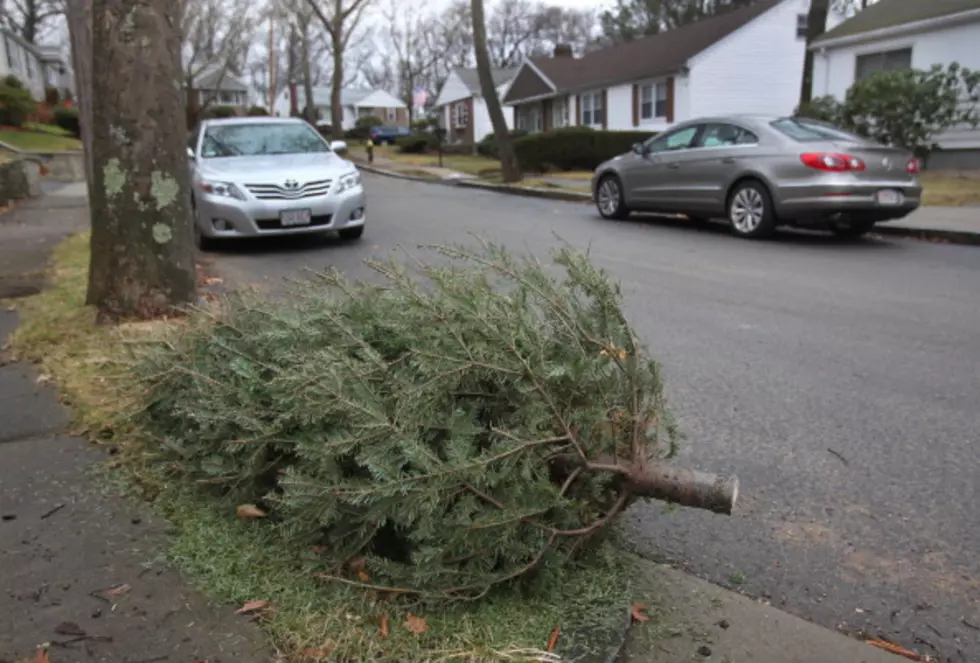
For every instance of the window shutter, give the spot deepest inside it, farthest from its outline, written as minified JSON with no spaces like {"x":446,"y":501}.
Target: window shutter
{"x":578,"y":110}
{"x":605,"y":110}
{"x":636,"y":105}
{"x":670,"y":99}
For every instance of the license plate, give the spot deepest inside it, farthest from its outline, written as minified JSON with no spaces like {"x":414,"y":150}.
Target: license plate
{"x":889,"y":197}
{"x":295,"y":217}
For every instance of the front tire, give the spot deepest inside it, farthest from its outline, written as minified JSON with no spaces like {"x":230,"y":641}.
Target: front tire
{"x":201,"y":241}
{"x":351,"y":234}
{"x":609,"y":198}
{"x":750,"y":210}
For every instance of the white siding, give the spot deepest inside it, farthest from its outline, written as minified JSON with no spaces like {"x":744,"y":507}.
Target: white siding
{"x":27,"y":66}
{"x":452,"y":90}
{"x":756,"y":69}
{"x":482,"y":126}
{"x":833,"y":69}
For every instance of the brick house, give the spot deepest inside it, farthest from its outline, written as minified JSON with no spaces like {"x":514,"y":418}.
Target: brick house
{"x":462,"y":109}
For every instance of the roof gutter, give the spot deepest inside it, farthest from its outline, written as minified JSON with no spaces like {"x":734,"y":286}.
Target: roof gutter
{"x":949,"y":20}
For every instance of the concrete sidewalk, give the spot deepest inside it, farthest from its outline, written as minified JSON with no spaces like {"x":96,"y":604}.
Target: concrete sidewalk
{"x":82,"y":570}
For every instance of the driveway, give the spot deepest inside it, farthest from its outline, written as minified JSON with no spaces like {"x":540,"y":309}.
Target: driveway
{"x":839,"y":380}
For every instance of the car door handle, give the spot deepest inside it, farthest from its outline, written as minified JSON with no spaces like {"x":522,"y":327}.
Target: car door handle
{"x":728,"y":160}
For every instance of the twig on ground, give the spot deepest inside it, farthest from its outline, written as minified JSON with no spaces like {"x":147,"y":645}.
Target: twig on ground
{"x":53,"y":511}
{"x":839,"y":456}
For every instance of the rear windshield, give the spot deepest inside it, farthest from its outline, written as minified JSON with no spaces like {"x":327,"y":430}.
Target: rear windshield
{"x":811,"y":132}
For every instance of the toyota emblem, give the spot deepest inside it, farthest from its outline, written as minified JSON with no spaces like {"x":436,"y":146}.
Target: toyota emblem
{"x":291,"y":184}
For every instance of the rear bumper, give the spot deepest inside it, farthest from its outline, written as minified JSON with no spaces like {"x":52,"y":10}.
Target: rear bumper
{"x":828,"y":201}
{"x":222,"y":217}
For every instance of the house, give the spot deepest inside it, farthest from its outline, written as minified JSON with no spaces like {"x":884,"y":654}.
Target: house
{"x":893,"y":34}
{"x":37,"y":67}
{"x":463,"y":111}
{"x":216,"y":86}
{"x":747,"y":60}
{"x":355,"y":103}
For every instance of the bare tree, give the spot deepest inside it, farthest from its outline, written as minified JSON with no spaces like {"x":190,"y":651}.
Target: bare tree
{"x":508,"y":159}
{"x":518,"y":29}
{"x":409,"y":43}
{"x":340,"y":19}
{"x":30,"y":18}
{"x":142,"y":262}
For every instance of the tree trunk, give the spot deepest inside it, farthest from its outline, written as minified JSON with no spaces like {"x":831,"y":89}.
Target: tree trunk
{"x":508,"y":159}
{"x":336,"y":110}
{"x":309,"y":111}
{"x":816,"y":25}
{"x":291,"y":72}
{"x":142,"y":261}
{"x":80,"y":31}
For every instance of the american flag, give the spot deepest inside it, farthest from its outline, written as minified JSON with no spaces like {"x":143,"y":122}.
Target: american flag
{"x":419,"y":97}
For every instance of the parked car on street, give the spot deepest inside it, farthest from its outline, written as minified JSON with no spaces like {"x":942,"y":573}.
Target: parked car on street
{"x":387,"y":135}
{"x":761,"y":172}
{"x":256,"y":176}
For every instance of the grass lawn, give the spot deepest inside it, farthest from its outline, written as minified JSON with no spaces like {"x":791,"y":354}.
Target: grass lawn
{"x":950,"y":188}
{"x":39,"y":138}
{"x":236,"y":561}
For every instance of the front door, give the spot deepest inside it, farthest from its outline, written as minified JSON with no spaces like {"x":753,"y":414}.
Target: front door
{"x":656,"y":182}
{"x":711,"y":164}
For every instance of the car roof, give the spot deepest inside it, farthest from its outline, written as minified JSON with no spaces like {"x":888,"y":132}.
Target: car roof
{"x":256,"y":119}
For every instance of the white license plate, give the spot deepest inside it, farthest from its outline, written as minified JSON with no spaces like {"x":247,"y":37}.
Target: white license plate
{"x":889,"y":197}
{"x":295,"y":217}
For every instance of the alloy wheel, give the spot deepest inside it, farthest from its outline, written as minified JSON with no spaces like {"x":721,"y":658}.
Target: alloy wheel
{"x":608,"y":198}
{"x":747,"y":210}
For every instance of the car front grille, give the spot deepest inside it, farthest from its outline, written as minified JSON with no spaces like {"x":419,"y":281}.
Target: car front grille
{"x":276,"y":224}
{"x":276,"y":192}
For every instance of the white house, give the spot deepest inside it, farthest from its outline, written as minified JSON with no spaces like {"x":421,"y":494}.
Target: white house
{"x":37,"y":67}
{"x":747,"y":60}
{"x":216,"y":86}
{"x":355,"y":102}
{"x":462,"y":108}
{"x":892,"y":34}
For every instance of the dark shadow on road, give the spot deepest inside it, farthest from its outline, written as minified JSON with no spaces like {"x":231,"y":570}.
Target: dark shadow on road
{"x":280,"y":244}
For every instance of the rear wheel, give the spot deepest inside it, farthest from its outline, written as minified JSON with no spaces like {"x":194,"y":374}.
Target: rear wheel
{"x":609,"y":198}
{"x":350,"y":234}
{"x":750,"y":210}
{"x":851,"y":228}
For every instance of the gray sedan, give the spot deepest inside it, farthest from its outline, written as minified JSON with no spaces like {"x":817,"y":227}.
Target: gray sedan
{"x":761,"y":172}
{"x":270,"y":176}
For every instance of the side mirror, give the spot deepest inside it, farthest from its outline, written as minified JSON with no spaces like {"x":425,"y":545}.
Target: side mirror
{"x":190,"y":153}
{"x":638,"y":148}
{"x":338,"y":146}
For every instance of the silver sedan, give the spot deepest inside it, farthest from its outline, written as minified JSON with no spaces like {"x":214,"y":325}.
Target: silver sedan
{"x":761,"y":172}
{"x":270,"y":176}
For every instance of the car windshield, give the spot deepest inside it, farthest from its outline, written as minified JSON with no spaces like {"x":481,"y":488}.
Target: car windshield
{"x":260,"y":139}
{"x":806,"y":131}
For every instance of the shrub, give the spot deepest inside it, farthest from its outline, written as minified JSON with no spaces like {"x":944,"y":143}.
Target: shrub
{"x":16,"y":105}
{"x":825,"y":109}
{"x":12,"y":81}
{"x":573,"y":148}
{"x":446,"y":431}
{"x":220,"y":111}
{"x":418,"y":144}
{"x":52,"y":96}
{"x":362,"y":127}
{"x":67,"y":119}
{"x":257,"y":111}
{"x":488,"y":146}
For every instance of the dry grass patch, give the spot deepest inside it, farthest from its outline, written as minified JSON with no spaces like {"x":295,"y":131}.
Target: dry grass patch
{"x":950,"y":188}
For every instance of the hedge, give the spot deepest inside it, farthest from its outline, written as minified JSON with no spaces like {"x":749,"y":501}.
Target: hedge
{"x":257,"y":111}
{"x":67,"y":119}
{"x":488,"y":146}
{"x":220,"y":112}
{"x":418,"y":144}
{"x":16,"y":104}
{"x":574,"y":148}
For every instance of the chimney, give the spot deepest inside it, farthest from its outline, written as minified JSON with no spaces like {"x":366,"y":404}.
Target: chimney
{"x":563,"y":51}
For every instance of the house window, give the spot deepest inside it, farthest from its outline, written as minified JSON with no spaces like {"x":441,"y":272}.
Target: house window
{"x":653,"y":101}
{"x":31,"y":68}
{"x":391,"y":114}
{"x":592,"y":109}
{"x":559,"y":113}
{"x":12,"y":55}
{"x":529,"y":117}
{"x":461,"y":115}
{"x":802,"y":22}
{"x":363,"y":112}
{"x":872,"y":63}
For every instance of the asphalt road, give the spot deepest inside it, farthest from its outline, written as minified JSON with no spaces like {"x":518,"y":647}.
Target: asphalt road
{"x":839,"y":380}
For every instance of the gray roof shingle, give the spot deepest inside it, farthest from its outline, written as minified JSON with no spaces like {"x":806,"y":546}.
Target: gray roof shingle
{"x":892,"y":13}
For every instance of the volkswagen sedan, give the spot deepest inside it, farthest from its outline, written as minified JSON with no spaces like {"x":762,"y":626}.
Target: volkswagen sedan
{"x":262,"y":176}
{"x":761,"y":172}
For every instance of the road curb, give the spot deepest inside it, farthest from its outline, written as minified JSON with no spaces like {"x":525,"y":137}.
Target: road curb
{"x":930,"y":234}
{"x":400,"y":176}
{"x":530,"y":191}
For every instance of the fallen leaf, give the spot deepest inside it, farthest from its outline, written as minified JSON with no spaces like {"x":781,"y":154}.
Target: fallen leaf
{"x":69,"y":628}
{"x":213,"y":280}
{"x":416,"y":624}
{"x":638,"y":613}
{"x":251,"y":606}
{"x":41,"y":656}
{"x":249,"y":512}
{"x":118,"y":590}
{"x":357,"y":564}
{"x":384,"y":626}
{"x":43,"y":379}
{"x":553,"y":640}
{"x":363,"y":576}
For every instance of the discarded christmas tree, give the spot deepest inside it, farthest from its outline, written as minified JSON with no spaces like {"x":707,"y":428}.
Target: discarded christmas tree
{"x":456,"y":427}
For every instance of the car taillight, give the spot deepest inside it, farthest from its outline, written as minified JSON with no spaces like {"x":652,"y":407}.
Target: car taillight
{"x":831,"y":161}
{"x":912,"y":167}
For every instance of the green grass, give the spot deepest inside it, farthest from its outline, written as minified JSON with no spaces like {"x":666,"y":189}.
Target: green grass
{"x":32,"y":138}
{"x":235,"y":561}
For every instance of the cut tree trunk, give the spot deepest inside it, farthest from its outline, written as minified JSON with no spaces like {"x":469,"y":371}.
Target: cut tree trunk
{"x":142,"y":262}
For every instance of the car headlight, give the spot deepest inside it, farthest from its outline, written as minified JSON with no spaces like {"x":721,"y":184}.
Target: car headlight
{"x":348,"y":181}
{"x":225,"y":189}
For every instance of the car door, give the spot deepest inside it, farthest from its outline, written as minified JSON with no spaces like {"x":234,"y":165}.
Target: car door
{"x":712,"y":164}
{"x":654,"y":177}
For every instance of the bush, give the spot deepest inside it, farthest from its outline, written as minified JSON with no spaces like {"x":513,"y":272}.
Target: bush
{"x":12,"y":81}
{"x":824,"y":109}
{"x":443,"y":432}
{"x":573,"y":148}
{"x":418,"y":144}
{"x":67,"y":119}
{"x":257,"y":111}
{"x":52,"y":97}
{"x":488,"y":146}
{"x":215,"y":112}
{"x":16,"y":104}
{"x":362,"y":127}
